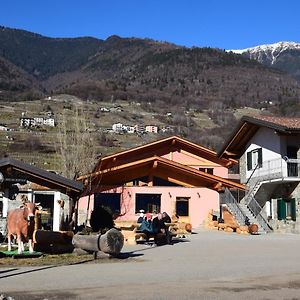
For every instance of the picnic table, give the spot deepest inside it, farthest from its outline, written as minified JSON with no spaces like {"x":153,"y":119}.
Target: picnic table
{"x":132,"y":235}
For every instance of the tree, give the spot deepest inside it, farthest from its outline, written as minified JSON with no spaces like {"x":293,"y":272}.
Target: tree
{"x":76,"y":145}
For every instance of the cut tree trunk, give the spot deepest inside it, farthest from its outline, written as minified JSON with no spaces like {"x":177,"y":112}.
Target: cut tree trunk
{"x":86,"y":242}
{"x":52,"y":237}
{"x":112,"y":242}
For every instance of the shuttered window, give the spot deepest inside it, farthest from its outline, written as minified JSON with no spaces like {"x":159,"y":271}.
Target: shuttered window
{"x":286,"y":209}
{"x":254,"y":158}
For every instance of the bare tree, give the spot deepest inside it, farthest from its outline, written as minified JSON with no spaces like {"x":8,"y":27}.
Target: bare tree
{"x":76,"y":145}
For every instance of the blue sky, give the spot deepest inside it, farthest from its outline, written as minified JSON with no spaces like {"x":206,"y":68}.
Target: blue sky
{"x":226,"y":24}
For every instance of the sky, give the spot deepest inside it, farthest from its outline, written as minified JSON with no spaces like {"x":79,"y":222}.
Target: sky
{"x":225,"y":24}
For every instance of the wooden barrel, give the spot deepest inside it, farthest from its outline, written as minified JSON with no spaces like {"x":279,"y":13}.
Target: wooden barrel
{"x":253,"y":229}
{"x":111,"y":242}
{"x":52,"y":237}
{"x":86,"y":242}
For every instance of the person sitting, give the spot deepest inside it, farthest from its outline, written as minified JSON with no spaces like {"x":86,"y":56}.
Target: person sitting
{"x":166,"y":217}
{"x":141,"y":216}
{"x":147,"y":226}
{"x":159,"y":226}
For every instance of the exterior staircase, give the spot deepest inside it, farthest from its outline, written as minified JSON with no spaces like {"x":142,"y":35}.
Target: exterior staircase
{"x":243,"y":213}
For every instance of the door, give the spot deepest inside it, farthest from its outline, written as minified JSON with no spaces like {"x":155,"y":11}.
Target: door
{"x":292,"y":166}
{"x":183,"y":208}
{"x":47,"y":203}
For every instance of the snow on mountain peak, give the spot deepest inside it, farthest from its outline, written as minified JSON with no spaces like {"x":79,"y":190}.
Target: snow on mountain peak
{"x":268,"y":51}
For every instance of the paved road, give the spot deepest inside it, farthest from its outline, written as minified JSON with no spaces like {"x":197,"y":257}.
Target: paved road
{"x":209,"y":265}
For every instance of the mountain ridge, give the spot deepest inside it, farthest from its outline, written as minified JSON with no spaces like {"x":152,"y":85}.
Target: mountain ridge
{"x":284,"y":55}
{"x":142,"y":70}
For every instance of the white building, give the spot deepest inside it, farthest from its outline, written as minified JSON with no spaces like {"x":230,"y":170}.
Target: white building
{"x":49,"y":122}
{"x":39,"y":121}
{"x":4,"y":128}
{"x":268,"y":149}
{"x":27,"y":122}
{"x":117,"y":127}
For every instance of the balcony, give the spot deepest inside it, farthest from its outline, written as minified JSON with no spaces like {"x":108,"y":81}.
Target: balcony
{"x":277,"y":169}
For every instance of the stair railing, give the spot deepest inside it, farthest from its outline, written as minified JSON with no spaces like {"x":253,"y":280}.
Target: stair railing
{"x":233,"y":206}
{"x":256,"y":210}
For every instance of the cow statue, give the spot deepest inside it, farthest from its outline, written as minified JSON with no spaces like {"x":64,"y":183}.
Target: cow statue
{"x":20,"y":223}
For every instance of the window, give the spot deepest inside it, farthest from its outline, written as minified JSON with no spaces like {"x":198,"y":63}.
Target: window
{"x":182,"y":206}
{"x":254,"y":159}
{"x":286,"y":209}
{"x":112,"y":201}
{"x":207,"y":170}
{"x":147,"y":202}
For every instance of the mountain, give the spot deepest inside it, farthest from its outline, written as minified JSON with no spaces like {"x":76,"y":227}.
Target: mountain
{"x":161,"y":75}
{"x":284,"y":56}
{"x":16,"y":83}
{"x":42,"y":56}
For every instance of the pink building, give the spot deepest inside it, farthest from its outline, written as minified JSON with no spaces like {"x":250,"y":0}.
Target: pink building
{"x":172,"y":175}
{"x":151,"y":128}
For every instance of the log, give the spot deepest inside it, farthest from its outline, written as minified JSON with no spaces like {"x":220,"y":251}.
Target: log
{"x":86,"y":242}
{"x":253,"y":229}
{"x":52,"y":237}
{"x":53,"y":248}
{"x":244,"y":228}
{"x":238,"y":230}
{"x":228,"y":229}
{"x":111,"y":242}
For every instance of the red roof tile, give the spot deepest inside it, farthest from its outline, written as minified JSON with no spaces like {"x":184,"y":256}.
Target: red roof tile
{"x":289,"y":123}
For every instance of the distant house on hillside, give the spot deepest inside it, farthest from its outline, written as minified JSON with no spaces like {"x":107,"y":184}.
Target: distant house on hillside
{"x":139,"y":128}
{"x":151,"y":128}
{"x":27,"y":122}
{"x":117,"y":127}
{"x":49,"y":122}
{"x":4,"y":128}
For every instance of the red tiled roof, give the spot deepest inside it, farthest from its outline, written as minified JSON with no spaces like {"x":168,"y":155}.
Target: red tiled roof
{"x":289,"y":123}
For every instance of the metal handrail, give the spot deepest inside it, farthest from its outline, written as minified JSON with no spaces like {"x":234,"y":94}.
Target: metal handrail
{"x":256,"y":210}
{"x":237,"y":211}
{"x":256,"y":167}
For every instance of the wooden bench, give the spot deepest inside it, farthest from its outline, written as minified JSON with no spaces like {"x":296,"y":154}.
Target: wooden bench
{"x":132,"y":235}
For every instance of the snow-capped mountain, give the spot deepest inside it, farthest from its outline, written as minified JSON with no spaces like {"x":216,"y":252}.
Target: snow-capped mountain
{"x":283,"y":55}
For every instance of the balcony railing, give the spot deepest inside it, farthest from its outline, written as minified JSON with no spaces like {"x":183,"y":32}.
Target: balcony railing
{"x":277,"y":168}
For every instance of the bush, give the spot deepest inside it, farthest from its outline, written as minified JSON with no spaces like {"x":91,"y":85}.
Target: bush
{"x":101,"y":219}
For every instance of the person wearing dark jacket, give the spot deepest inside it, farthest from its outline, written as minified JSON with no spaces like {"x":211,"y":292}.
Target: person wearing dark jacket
{"x":158,"y":226}
{"x":166,"y":217}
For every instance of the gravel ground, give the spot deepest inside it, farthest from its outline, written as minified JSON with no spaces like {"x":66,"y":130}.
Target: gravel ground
{"x":207,"y":265}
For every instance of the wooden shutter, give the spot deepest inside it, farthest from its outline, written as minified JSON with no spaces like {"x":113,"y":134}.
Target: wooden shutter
{"x":293,"y":209}
{"x":281,"y":209}
{"x":249,"y":161}
{"x":260,"y":161}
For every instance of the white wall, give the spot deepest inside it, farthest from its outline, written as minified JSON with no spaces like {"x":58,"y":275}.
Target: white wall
{"x":271,"y":144}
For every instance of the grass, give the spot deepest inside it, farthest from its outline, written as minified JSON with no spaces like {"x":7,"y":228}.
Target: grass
{"x":46,"y":260}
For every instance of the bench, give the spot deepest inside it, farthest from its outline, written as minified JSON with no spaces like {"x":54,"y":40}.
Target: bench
{"x":132,"y":235}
